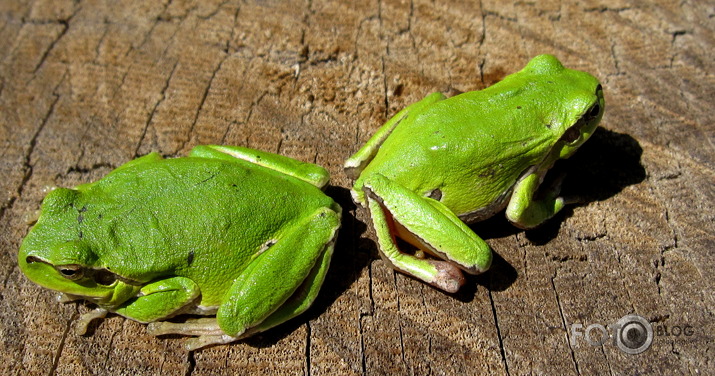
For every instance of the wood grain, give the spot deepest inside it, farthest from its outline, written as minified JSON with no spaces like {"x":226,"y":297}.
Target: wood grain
{"x":88,"y":85}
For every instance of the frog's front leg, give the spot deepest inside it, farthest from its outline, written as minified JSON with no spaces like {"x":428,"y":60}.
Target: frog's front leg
{"x":429,"y":225}
{"x":154,"y":301}
{"x":279,"y":284}
{"x":160,"y":299}
{"x":357,"y":162}
{"x":526,"y":212}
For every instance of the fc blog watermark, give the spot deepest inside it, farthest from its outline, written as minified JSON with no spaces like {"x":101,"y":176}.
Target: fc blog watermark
{"x":632,"y":334}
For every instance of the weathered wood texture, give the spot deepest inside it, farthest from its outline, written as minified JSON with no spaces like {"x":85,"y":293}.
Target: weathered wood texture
{"x":88,"y":85}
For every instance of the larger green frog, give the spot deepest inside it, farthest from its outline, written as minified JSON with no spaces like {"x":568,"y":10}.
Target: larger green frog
{"x":441,"y":161}
{"x":237,"y":234}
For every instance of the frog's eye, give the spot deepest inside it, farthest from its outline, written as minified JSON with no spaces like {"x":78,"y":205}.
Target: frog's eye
{"x":593,"y":112}
{"x":104,"y":277}
{"x":72,"y":272}
{"x":574,"y":133}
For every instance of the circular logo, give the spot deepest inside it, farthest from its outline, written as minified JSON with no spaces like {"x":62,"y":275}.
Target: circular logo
{"x":634,"y":335}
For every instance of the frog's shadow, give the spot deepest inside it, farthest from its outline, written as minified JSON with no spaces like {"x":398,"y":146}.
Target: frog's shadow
{"x":602,"y":167}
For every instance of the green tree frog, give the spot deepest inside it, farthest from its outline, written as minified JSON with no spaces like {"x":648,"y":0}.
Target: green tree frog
{"x":441,"y":162}
{"x":237,"y":234}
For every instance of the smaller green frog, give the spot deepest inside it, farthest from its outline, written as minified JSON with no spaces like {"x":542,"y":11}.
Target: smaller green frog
{"x":441,"y":161}
{"x":237,"y":234}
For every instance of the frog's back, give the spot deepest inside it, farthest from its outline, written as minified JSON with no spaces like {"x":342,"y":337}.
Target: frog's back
{"x":473,"y":142}
{"x":200,"y":218}
{"x":482,"y":141}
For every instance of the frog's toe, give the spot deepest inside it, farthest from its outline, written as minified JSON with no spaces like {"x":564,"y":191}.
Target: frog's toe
{"x":205,"y":330}
{"x":574,"y":200}
{"x":196,"y":343}
{"x":84,"y":320}
{"x":205,"y":326}
{"x":448,"y":278}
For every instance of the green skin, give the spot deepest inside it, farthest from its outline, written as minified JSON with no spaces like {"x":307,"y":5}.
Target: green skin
{"x":441,"y":161}
{"x":237,"y":234}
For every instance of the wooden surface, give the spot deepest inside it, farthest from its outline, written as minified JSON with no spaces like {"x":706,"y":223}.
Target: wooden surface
{"x":88,"y":85}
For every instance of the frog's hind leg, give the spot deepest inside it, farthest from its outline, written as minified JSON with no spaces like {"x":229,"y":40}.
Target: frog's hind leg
{"x":280,"y":283}
{"x":357,"y":162}
{"x":261,"y":296}
{"x":269,"y":292}
{"x":429,"y":225}
{"x":307,"y":172}
{"x":210,"y":333}
{"x":302,"y":298}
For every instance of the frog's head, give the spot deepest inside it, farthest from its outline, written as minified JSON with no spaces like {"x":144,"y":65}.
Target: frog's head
{"x":579,"y":98}
{"x":55,"y":255}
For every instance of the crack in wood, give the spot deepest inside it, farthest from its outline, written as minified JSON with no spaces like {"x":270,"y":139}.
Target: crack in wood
{"x":502,"y":352}
{"x":563,"y":322}
{"x":27,"y":166}
{"x":150,"y":118}
{"x":61,"y":346}
{"x":46,"y":53}
{"x":191,"y":363}
{"x":361,"y":326}
{"x":308,"y":334}
{"x":399,"y":320}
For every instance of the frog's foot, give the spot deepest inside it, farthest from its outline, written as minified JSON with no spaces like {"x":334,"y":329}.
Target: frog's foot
{"x":87,"y":318}
{"x":526,"y":209}
{"x":205,"y":330}
{"x":31,"y":217}
{"x":64,"y":297}
{"x":550,"y":189}
{"x":574,"y":200}
{"x":191,"y":327}
{"x":427,"y":224}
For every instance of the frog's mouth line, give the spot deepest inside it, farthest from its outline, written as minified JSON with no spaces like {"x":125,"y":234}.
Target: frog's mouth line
{"x":90,"y":283}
